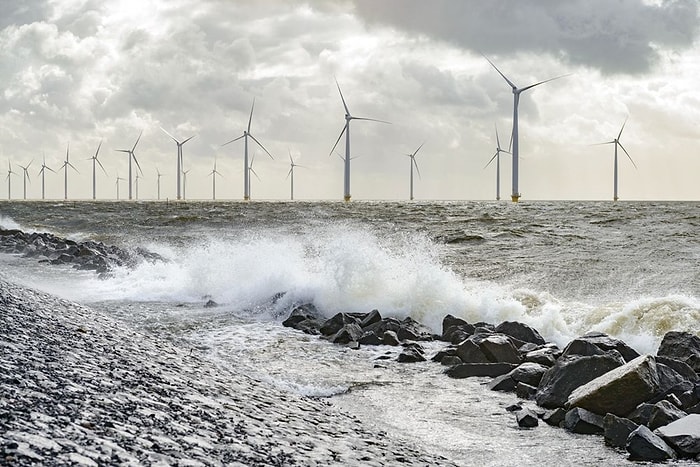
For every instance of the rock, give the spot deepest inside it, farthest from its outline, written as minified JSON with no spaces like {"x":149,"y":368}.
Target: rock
{"x":304,"y":318}
{"x":466,"y":370}
{"x":546,"y":356}
{"x":620,"y":390}
{"x":616,"y":430}
{"x":688,"y":399}
{"x":451,"y":360}
{"x":210,"y":304}
{"x":554,"y":417}
{"x":455,"y":330}
{"x":664,"y":413}
{"x":526,"y":418}
{"x":683,"y":435}
{"x":641,"y":414}
{"x":448,"y":352}
{"x":411,"y":355}
{"x":680,"y":367}
{"x":525,"y":391}
{"x":643,"y":445}
{"x":529,"y":373}
{"x":333,"y":325}
{"x":412,"y":330}
{"x":348,"y":333}
{"x":370,"y":338}
{"x":597,"y":343}
{"x":682,"y":346}
{"x":390,"y":338}
{"x":582,"y":421}
{"x":470,"y":352}
{"x":568,"y":374}
{"x":498,"y":349}
{"x":503,"y":383}
{"x":520,"y":331}
{"x":670,"y":383}
{"x":514,"y":407}
{"x":371,"y":318}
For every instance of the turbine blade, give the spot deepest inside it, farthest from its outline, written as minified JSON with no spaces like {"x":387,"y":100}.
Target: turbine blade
{"x":542,"y":82}
{"x":498,"y":141}
{"x":250,"y":119}
{"x":371,"y":120}
{"x":606,"y":142}
{"x":254,"y":173}
{"x":98,"y":149}
{"x":187,"y":139}
{"x":100,"y":163}
{"x":499,"y":72}
{"x":491,"y":160}
{"x":290,"y":155}
{"x":342,"y":98}
{"x":628,"y":154}
{"x":233,"y":140}
{"x":72,"y":166}
{"x":171,"y":136}
{"x":623,"y":127}
{"x":263,"y":147}
{"x":413,"y":160}
{"x":137,"y":163}
{"x":122,"y":150}
{"x":345,"y":127}
{"x":416,"y":151}
{"x":52,"y":170}
{"x":288,"y":174}
{"x":137,"y":141}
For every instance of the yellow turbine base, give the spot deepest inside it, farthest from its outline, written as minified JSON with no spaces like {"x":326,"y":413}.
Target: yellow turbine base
{"x":347,"y":198}
{"x":246,"y":198}
{"x":515,"y":198}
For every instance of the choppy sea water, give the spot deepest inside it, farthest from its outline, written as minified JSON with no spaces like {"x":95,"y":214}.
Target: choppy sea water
{"x":629,"y":269}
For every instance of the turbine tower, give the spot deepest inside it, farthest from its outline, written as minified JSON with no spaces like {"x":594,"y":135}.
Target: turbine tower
{"x":213,"y":174}
{"x":291,"y":174}
{"x":497,"y":156}
{"x":42,"y":172}
{"x":180,"y":160}
{"x":245,"y":135}
{"x":65,"y":166}
{"x":132,"y":156}
{"x":412,"y":164}
{"x":136,"y":185}
{"x":9,"y":180}
{"x":515,"y":195}
{"x":94,"y":161}
{"x":25,"y":178}
{"x":346,"y":130}
{"x":159,"y":175}
{"x":617,"y":143}
{"x":118,"y":180}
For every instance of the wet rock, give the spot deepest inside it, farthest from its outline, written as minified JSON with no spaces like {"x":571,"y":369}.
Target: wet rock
{"x":470,"y":352}
{"x":683,"y":435}
{"x":520,"y":331}
{"x":348,"y":333}
{"x":390,"y":338}
{"x":411,"y":354}
{"x":334,"y":324}
{"x":526,"y":418}
{"x":682,"y":346}
{"x":498,"y":348}
{"x":619,"y":390}
{"x":466,"y":370}
{"x":641,"y":414}
{"x":210,"y":304}
{"x":412,"y":330}
{"x":582,"y":421}
{"x":503,"y":383}
{"x":546,"y":355}
{"x":525,"y":391}
{"x":529,"y":373}
{"x":554,"y":417}
{"x":643,"y":445}
{"x":370,"y":338}
{"x":568,"y":374}
{"x":305,"y":318}
{"x":616,"y":430}
{"x":664,"y":413}
{"x":440,"y":355}
{"x":371,"y":318}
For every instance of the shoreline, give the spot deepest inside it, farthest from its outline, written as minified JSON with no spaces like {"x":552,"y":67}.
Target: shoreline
{"x":83,"y":388}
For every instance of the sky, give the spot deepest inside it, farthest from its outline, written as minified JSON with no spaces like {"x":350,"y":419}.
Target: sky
{"x":83,"y":71}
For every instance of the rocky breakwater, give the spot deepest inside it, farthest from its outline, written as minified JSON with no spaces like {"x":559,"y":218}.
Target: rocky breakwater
{"x":88,"y":255}
{"x":81,"y":388}
{"x":648,"y":405}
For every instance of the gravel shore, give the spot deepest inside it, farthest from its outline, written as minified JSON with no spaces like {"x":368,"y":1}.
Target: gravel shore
{"x":81,"y":388}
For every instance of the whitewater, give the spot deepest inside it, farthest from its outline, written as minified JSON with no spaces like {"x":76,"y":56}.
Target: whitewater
{"x":629,"y":269}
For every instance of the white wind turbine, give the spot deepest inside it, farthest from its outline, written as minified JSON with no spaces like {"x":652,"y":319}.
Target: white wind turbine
{"x":180,"y":160}
{"x":136,"y":185}
{"x":9,"y":180}
{"x":617,"y":143}
{"x":159,"y":175}
{"x":25,"y":178}
{"x":515,"y":195}
{"x":497,"y":156}
{"x":213,"y":174}
{"x":95,"y":161}
{"x":245,"y":135}
{"x":346,"y":130}
{"x":250,"y":168}
{"x":291,"y":174}
{"x":132,"y":156}
{"x":184,"y":183}
{"x":42,"y":172}
{"x":118,"y":180}
{"x":65,"y":166}
{"x":414,"y":163}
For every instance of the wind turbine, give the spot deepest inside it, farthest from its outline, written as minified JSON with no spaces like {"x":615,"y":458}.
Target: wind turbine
{"x":42,"y":172}
{"x":96,"y":160}
{"x":515,"y":195}
{"x":9,"y":180}
{"x":291,"y":174}
{"x":65,"y":166}
{"x":132,"y":156}
{"x":412,"y":164}
{"x":118,"y":180}
{"x":245,"y":135}
{"x":159,"y":175}
{"x":25,"y":178}
{"x":250,"y":168}
{"x":137,"y":185}
{"x":346,"y":130}
{"x":180,"y":161}
{"x":617,"y":143}
{"x":497,"y":156}
{"x":213,"y":174}
{"x":184,"y":183}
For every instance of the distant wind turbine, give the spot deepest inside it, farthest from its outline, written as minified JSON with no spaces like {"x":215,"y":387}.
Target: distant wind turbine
{"x":515,"y":195}
{"x":132,"y":156}
{"x":213,"y":174}
{"x":9,"y":180}
{"x":95,"y":161}
{"x":42,"y":172}
{"x":159,"y":175}
{"x":346,"y":130}
{"x":414,"y":164}
{"x":26,"y":178}
{"x":118,"y":180}
{"x":184,"y":183}
{"x":136,"y":185}
{"x":180,"y":160}
{"x":65,"y":166}
{"x":497,"y":156}
{"x":291,"y":174}
{"x":250,"y":168}
{"x":617,"y":143}
{"x":245,"y":135}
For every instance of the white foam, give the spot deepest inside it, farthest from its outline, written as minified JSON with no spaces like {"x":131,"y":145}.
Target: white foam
{"x":9,"y":223}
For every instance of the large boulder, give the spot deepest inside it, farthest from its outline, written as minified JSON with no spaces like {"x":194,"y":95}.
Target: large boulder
{"x":616,"y":430}
{"x":412,"y":330}
{"x":520,"y":331}
{"x":304,"y":318}
{"x":664,"y":413}
{"x":455,"y":330}
{"x":597,"y":343}
{"x":582,"y":421}
{"x":528,"y":373}
{"x":332,"y":325}
{"x":470,"y":352}
{"x":682,"y":346}
{"x":620,"y":390}
{"x":498,"y":348}
{"x":546,"y":355}
{"x":569,"y":373}
{"x":349,"y":333}
{"x":683,"y":435}
{"x":526,"y":418}
{"x":643,"y":445}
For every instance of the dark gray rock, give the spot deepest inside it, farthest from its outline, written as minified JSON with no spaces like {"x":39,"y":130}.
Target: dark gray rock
{"x":526,"y":418}
{"x":411,"y":355}
{"x":616,"y":430}
{"x":370,"y":318}
{"x":683,"y":435}
{"x":450,"y":321}
{"x":682,"y":346}
{"x":305,"y":318}
{"x":525,"y":391}
{"x":546,"y":356}
{"x":498,"y":348}
{"x":643,"y":445}
{"x":671,"y":383}
{"x":332,"y":325}
{"x":348,"y":333}
{"x":412,"y":330}
{"x":390,"y":338}
{"x":529,"y":373}
{"x":607,"y":343}
{"x":582,"y":348}
{"x":470,"y":352}
{"x":370,"y":338}
{"x":466,"y":370}
{"x":503,"y":383}
{"x":520,"y":331}
{"x":569,"y":373}
{"x":641,"y":414}
{"x":554,"y":417}
{"x":582,"y":421}
{"x":664,"y":413}
{"x":679,"y":367}
{"x":451,"y":360}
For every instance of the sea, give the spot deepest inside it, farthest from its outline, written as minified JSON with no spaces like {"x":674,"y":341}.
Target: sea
{"x":629,"y":269}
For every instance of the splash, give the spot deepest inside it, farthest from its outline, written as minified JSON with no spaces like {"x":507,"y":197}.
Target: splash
{"x":9,"y":224}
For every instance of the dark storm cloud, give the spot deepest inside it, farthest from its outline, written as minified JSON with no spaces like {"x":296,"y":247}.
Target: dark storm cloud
{"x":614,"y":36}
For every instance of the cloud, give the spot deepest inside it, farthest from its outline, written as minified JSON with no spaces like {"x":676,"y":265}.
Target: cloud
{"x":622,"y":36}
